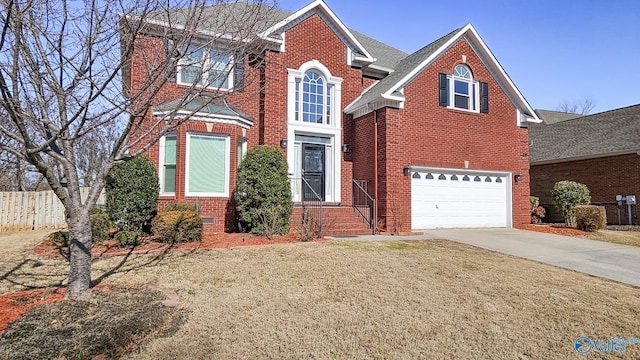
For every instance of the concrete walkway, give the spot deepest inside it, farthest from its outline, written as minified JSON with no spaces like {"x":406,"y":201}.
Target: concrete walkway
{"x":599,"y":258}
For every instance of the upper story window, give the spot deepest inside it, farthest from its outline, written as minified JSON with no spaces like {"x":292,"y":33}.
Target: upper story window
{"x":313,"y":96}
{"x":205,"y":67}
{"x":460,"y":91}
{"x":313,"y":99}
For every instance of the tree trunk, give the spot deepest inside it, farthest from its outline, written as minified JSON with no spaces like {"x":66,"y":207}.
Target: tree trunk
{"x":79,"y":254}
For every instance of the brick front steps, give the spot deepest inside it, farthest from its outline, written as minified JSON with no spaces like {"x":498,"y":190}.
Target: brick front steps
{"x":336,"y":221}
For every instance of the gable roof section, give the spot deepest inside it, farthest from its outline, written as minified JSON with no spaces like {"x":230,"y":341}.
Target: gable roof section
{"x":607,"y":133}
{"x":552,"y":117}
{"x":390,"y":87}
{"x":318,"y":6}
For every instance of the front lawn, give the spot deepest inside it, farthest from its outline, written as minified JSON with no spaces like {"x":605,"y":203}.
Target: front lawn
{"x":391,"y":299}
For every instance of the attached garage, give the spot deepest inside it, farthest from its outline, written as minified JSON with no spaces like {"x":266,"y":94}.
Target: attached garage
{"x":448,"y":198}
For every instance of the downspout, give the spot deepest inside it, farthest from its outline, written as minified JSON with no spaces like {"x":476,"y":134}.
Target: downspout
{"x":375,"y":166}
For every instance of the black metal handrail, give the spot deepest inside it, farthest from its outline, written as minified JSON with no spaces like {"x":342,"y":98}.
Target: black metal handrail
{"x":311,"y":206}
{"x":364,"y":204}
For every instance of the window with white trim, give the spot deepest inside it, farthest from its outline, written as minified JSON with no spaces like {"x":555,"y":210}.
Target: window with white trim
{"x":207,"y":165}
{"x":167,"y":166}
{"x":460,"y":91}
{"x":313,"y":97}
{"x":205,"y":67}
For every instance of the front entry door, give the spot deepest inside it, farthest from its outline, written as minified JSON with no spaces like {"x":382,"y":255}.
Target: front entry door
{"x":313,"y":170}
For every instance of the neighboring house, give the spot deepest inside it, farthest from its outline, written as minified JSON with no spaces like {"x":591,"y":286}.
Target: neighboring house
{"x":601,"y":151}
{"x":439,"y":137}
{"x":552,"y":117}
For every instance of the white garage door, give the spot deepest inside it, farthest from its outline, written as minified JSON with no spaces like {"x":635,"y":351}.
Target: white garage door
{"x":454,"y":199}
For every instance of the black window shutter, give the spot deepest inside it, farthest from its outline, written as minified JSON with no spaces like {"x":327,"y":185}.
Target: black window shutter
{"x":443,"y":85}
{"x":238,"y":73}
{"x":484,"y":97}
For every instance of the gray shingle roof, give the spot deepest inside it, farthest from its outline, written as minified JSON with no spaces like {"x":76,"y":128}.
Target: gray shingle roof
{"x":609,"y":132}
{"x":403,"y":68}
{"x":386,"y":55}
{"x":552,"y":117}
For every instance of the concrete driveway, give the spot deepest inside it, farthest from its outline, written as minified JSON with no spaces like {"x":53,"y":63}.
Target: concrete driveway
{"x":607,"y":260}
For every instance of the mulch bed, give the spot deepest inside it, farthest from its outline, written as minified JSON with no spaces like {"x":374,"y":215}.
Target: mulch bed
{"x":557,"y":229}
{"x":14,"y":305}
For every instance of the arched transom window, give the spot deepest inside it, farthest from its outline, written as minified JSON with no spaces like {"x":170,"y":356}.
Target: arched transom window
{"x":464,"y":89}
{"x":313,"y":99}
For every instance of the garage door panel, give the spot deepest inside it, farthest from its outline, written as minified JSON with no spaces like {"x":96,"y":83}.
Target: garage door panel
{"x":458,"y":203}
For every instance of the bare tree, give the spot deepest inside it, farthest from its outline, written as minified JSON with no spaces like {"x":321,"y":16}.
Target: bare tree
{"x":64,"y":71}
{"x":583,"y":107}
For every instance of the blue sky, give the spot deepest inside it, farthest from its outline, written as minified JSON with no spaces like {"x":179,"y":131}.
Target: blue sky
{"x":554,"y":51}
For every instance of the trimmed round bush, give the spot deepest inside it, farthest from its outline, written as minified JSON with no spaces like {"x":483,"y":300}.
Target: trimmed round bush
{"x":566,"y":196}
{"x":263,"y":192}
{"x":591,"y":217}
{"x":177,"y":226}
{"x":132,"y":193}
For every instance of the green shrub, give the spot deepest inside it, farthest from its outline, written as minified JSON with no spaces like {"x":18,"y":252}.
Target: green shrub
{"x":177,"y":226}
{"x":100,"y":226}
{"x":180,"y":207}
{"x":128,"y":238}
{"x":591,"y":217}
{"x":566,"y":196}
{"x":60,"y":238}
{"x":263,"y":183}
{"x":132,"y":193}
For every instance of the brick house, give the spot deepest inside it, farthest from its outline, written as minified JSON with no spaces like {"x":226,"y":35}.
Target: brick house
{"x":438,"y":138}
{"x":601,"y":151}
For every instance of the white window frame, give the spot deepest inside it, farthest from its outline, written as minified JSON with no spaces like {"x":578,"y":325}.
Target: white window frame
{"x":162,"y":164}
{"x":227,"y":151}
{"x":333,"y":130}
{"x":332,"y":90}
{"x":474,"y":91}
{"x":205,"y":67}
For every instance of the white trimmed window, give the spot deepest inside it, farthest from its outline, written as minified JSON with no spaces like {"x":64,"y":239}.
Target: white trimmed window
{"x":168,"y":164}
{"x":460,"y":91}
{"x":207,"y":165}
{"x":205,"y":67}
{"x":313,"y":99}
{"x":463,"y":89}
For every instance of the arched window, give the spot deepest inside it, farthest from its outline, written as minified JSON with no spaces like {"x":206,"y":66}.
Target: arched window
{"x":313,"y":99}
{"x":460,"y":90}
{"x":464,"y":89}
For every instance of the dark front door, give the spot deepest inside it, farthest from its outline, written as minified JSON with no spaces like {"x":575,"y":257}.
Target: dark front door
{"x":313,"y":170}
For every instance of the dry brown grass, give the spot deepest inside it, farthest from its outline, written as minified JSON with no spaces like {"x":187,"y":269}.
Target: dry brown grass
{"x":403,"y":300}
{"x":619,"y":237}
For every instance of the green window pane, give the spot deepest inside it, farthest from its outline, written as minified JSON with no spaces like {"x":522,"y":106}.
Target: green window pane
{"x":170,"y":150}
{"x":169,"y":179}
{"x":207,"y":163}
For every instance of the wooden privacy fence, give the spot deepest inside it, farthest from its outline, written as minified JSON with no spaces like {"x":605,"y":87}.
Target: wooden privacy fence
{"x":32,"y":210}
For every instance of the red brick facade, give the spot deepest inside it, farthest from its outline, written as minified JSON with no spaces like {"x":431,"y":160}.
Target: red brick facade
{"x":605,"y":177}
{"x":422,"y":133}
